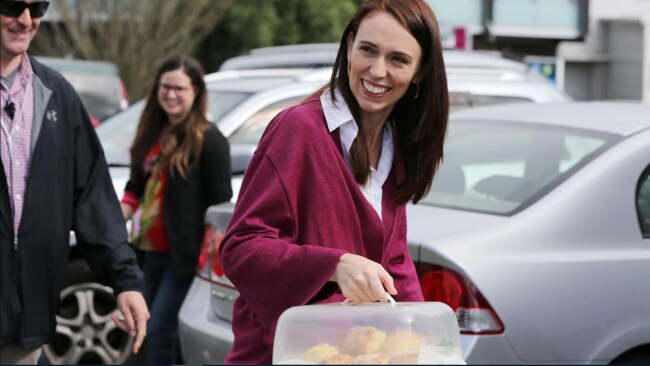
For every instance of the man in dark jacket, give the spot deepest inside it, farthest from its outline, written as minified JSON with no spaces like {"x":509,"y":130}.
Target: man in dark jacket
{"x":54,"y":178}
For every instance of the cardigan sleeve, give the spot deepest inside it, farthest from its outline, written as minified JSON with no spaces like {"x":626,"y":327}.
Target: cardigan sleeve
{"x":259,"y":252}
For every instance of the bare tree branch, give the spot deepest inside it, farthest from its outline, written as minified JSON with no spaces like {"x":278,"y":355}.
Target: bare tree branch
{"x":137,"y":35}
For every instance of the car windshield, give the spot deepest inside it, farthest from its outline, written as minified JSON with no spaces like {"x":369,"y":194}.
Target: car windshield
{"x":250,"y":133}
{"x":501,"y":168}
{"x":117,"y":133}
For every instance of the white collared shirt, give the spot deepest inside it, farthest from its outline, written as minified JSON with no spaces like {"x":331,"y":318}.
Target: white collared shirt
{"x":339,"y":116}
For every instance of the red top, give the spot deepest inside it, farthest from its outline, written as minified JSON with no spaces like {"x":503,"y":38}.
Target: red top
{"x":149,"y":228}
{"x":299,"y":210}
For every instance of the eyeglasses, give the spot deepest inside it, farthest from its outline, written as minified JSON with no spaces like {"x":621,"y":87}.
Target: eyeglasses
{"x":14,"y":9}
{"x":166,"y":88}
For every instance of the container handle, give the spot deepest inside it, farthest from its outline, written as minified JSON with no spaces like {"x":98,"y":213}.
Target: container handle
{"x":390,"y":299}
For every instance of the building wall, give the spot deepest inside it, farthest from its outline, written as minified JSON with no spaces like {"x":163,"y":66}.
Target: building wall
{"x":625,"y":47}
{"x":617,"y":9}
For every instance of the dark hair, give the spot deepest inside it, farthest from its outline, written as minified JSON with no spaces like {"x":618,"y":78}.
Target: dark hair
{"x":182,"y":146}
{"x":421,"y":123}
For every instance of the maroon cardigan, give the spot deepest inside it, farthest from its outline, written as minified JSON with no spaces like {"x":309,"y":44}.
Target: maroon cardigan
{"x":299,"y":210}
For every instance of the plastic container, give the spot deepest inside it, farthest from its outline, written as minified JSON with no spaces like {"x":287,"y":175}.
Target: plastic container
{"x":370,"y":333}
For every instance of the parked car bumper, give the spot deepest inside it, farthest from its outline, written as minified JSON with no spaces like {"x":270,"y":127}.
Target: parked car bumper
{"x":204,"y":338}
{"x":487,"y":349}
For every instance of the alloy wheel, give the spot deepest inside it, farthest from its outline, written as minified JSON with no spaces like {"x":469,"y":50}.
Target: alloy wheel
{"x":85,"y":333}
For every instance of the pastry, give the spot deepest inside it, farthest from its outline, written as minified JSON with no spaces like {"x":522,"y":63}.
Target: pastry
{"x":320,"y":353}
{"x":402,"y":342}
{"x":362,"y":340}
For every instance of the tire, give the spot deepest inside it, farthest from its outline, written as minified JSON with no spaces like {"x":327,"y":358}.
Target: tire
{"x":85,"y":333}
{"x":637,"y":356}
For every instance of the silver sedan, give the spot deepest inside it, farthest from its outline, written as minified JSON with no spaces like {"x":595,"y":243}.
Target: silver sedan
{"x":536,"y":232}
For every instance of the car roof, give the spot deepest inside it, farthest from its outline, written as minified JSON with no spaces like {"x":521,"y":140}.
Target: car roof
{"x":324,"y":54}
{"x":79,"y":66}
{"x":253,"y":81}
{"x":618,"y":118}
{"x":296,"y":48}
{"x":497,"y":82}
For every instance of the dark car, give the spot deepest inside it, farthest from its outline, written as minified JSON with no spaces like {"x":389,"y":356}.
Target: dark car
{"x":98,"y":84}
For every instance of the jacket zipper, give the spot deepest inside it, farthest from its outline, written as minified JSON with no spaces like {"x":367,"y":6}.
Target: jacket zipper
{"x":15,"y":241}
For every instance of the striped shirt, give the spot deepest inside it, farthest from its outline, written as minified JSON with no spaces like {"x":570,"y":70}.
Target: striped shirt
{"x":16,"y":135}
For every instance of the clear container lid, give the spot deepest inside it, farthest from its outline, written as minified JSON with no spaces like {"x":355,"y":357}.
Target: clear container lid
{"x":369,"y":333}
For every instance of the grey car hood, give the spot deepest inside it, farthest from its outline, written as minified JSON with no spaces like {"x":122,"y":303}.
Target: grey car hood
{"x":430,"y":223}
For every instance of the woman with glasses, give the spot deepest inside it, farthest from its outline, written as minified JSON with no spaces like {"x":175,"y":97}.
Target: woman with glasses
{"x":321,"y":214}
{"x":180,"y":165}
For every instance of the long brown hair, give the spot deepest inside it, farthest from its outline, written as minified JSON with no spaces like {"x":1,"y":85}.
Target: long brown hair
{"x":420,"y":116}
{"x":182,"y":145}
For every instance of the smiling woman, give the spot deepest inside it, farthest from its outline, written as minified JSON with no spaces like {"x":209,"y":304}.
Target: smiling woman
{"x":390,"y":63}
{"x":384,"y":60}
{"x":328,"y":223}
{"x":180,"y":165}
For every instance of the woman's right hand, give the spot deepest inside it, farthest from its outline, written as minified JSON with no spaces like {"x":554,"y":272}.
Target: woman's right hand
{"x":362,"y":280}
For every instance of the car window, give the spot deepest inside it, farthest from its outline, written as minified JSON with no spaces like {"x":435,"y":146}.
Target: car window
{"x":501,"y":168}
{"x":102,"y":102}
{"x":643,"y":202}
{"x":251,"y":131}
{"x":118,"y":132}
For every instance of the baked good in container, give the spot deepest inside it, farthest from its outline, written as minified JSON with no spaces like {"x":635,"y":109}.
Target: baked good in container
{"x":375,"y":333}
{"x":320,"y":353}
{"x":362,"y":340}
{"x":402,"y":342}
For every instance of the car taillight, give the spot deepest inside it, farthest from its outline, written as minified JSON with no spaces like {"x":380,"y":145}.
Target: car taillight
{"x":209,"y":265}
{"x":475,"y":315}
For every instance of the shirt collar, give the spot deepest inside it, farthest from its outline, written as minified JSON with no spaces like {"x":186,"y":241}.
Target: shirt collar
{"x":6,"y":82}
{"x":338,"y":115}
{"x":17,"y":81}
{"x":25,"y":71}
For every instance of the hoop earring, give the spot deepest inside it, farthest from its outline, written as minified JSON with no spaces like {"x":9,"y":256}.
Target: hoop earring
{"x":349,"y":68}
{"x":417,"y":91}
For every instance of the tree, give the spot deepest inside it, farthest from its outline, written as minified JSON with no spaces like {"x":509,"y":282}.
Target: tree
{"x":261,"y":23}
{"x":136,"y":35}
